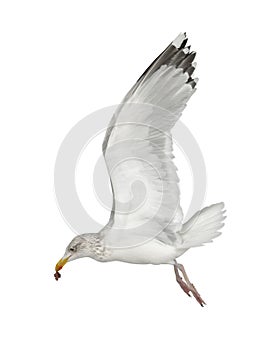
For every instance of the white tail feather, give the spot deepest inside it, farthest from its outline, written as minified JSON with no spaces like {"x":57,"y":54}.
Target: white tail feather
{"x":203,"y":227}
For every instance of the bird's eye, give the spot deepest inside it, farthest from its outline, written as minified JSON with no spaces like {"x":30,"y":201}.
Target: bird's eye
{"x":72,"y":249}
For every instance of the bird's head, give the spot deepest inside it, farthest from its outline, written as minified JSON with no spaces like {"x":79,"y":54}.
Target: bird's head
{"x":81,"y":246}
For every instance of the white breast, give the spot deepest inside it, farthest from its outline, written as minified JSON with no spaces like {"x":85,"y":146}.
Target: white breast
{"x":152,"y":252}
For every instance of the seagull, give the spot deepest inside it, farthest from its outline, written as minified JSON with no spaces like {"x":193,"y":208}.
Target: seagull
{"x":146,"y":224}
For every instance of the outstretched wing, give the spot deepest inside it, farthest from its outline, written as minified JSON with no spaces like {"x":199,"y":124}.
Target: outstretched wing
{"x":138,"y":149}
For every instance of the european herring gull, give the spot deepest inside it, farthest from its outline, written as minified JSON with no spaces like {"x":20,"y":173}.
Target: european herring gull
{"x":137,"y":149}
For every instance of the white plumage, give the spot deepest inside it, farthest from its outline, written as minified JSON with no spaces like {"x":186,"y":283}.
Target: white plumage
{"x":204,"y":226}
{"x":146,"y":223}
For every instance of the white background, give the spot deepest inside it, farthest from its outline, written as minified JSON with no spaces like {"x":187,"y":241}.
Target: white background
{"x":61,"y":60}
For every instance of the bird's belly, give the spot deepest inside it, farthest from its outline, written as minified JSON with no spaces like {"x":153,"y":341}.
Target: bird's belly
{"x":153,"y":252}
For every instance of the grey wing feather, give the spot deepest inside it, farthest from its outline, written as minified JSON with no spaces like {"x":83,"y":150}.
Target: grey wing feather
{"x":168,"y":84}
{"x":176,"y":55}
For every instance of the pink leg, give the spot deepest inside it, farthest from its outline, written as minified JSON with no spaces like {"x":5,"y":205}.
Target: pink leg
{"x":180,"y":281}
{"x":187,"y":286}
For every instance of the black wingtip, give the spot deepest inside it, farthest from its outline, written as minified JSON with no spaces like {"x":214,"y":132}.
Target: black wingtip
{"x":192,"y":82}
{"x":184,"y":42}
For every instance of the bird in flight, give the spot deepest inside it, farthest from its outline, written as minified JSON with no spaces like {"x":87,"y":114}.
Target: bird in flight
{"x":146,"y":223}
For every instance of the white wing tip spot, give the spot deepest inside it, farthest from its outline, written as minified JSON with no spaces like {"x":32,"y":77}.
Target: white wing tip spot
{"x":179,"y":39}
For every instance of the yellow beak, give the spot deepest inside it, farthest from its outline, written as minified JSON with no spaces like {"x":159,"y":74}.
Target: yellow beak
{"x":61,"y":263}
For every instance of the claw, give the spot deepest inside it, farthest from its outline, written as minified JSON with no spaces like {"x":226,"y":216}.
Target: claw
{"x":197,"y":295}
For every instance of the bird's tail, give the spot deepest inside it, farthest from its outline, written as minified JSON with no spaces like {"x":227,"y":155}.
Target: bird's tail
{"x":203,"y":227}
